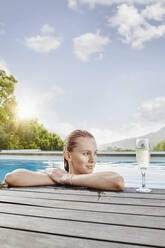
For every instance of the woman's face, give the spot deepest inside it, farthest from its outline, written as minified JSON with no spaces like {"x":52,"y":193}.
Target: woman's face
{"x":83,"y":157}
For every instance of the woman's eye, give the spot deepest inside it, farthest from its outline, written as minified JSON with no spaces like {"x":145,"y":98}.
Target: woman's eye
{"x":85,"y":153}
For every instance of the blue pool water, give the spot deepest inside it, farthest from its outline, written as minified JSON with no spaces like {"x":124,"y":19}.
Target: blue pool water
{"x":125,"y":166}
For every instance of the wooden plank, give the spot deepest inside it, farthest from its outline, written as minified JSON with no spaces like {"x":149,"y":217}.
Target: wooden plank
{"x":128,"y":209}
{"x":91,"y":194}
{"x":96,"y":217}
{"x":100,"y":232}
{"x":154,"y":191}
{"x":89,"y":199}
{"x":74,"y":208}
{"x":128,"y":192}
{"x":85,"y":189}
{"x":23,"y":239}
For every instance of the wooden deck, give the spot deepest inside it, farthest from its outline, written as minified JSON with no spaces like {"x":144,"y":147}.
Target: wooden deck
{"x":76,"y":217}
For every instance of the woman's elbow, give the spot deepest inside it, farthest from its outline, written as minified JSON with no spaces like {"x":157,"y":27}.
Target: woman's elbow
{"x":115,"y":182}
{"x":12,"y":178}
{"x":9,"y":178}
{"x":120,"y":183}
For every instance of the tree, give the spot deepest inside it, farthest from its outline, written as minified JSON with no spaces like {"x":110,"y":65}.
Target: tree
{"x":160,"y":146}
{"x":33,"y":135}
{"x":7,"y":99}
{"x":4,"y":139}
{"x":27,"y":134}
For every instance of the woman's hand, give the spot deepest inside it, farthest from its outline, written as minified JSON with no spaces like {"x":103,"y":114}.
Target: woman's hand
{"x":58,"y":175}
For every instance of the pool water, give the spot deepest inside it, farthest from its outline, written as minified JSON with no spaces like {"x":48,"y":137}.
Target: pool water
{"x":125,"y":166}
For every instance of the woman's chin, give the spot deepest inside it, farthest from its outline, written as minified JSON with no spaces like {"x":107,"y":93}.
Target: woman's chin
{"x":89,"y":170}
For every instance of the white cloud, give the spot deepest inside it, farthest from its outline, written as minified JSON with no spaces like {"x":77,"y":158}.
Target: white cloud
{"x":150,"y":117}
{"x":152,"y":111}
{"x":154,"y":12}
{"x":148,"y":33}
{"x":127,"y":20}
{"x":133,"y":27}
{"x":47,"y":28}
{"x":89,"y":44}
{"x":125,"y":131}
{"x":50,"y":97}
{"x":43,"y":44}
{"x":102,"y":136}
{"x":72,"y":4}
{"x":127,"y":17}
{"x":3,"y":66}
{"x":92,"y":3}
{"x":62,"y":129}
{"x":2,"y":28}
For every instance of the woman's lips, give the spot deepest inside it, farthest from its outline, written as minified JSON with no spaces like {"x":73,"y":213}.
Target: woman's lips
{"x":89,"y":166}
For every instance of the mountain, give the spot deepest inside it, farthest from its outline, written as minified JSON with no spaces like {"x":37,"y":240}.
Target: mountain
{"x":154,"y":138}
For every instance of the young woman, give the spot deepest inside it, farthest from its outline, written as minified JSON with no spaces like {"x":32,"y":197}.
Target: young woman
{"x":79,"y":161}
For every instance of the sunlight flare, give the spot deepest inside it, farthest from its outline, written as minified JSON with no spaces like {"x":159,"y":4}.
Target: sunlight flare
{"x":26,"y":110}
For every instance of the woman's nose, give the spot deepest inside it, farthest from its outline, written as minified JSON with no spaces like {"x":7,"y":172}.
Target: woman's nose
{"x":92,"y":158}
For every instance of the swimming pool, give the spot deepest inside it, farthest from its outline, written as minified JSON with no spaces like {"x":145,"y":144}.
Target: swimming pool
{"x":125,"y":166}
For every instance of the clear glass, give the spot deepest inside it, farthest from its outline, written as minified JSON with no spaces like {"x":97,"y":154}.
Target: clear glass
{"x":143,"y":160}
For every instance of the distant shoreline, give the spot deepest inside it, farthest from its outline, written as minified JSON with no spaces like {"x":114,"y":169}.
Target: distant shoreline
{"x":60,"y":153}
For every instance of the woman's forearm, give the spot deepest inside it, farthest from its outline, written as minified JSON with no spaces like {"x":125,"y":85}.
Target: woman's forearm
{"x":98,"y":180}
{"x":22,"y":177}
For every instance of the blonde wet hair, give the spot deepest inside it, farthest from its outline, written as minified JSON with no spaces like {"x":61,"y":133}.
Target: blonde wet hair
{"x":70,"y":142}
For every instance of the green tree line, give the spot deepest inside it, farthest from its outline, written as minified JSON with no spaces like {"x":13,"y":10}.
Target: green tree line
{"x":160,"y":146}
{"x":118,"y":149}
{"x":25,"y":134}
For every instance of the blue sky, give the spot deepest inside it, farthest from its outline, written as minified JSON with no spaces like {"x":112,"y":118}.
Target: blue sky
{"x":91,"y":64}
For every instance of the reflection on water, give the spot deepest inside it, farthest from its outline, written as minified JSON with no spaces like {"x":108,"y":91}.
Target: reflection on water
{"x":125,"y":166}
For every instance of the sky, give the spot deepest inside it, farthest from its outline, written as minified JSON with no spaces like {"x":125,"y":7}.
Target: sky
{"x":97,"y":65}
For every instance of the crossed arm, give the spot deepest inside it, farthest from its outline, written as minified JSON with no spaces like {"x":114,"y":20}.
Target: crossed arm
{"x":100,"y":180}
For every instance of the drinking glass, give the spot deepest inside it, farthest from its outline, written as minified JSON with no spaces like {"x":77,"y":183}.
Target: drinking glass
{"x":143,"y":159}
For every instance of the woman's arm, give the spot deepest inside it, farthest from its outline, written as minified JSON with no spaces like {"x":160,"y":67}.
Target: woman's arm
{"x":100,"y":180}
{"x":22,"y":177}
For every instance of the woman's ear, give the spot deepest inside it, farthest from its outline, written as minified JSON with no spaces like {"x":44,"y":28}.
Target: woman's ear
{"x":67,"y":155}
